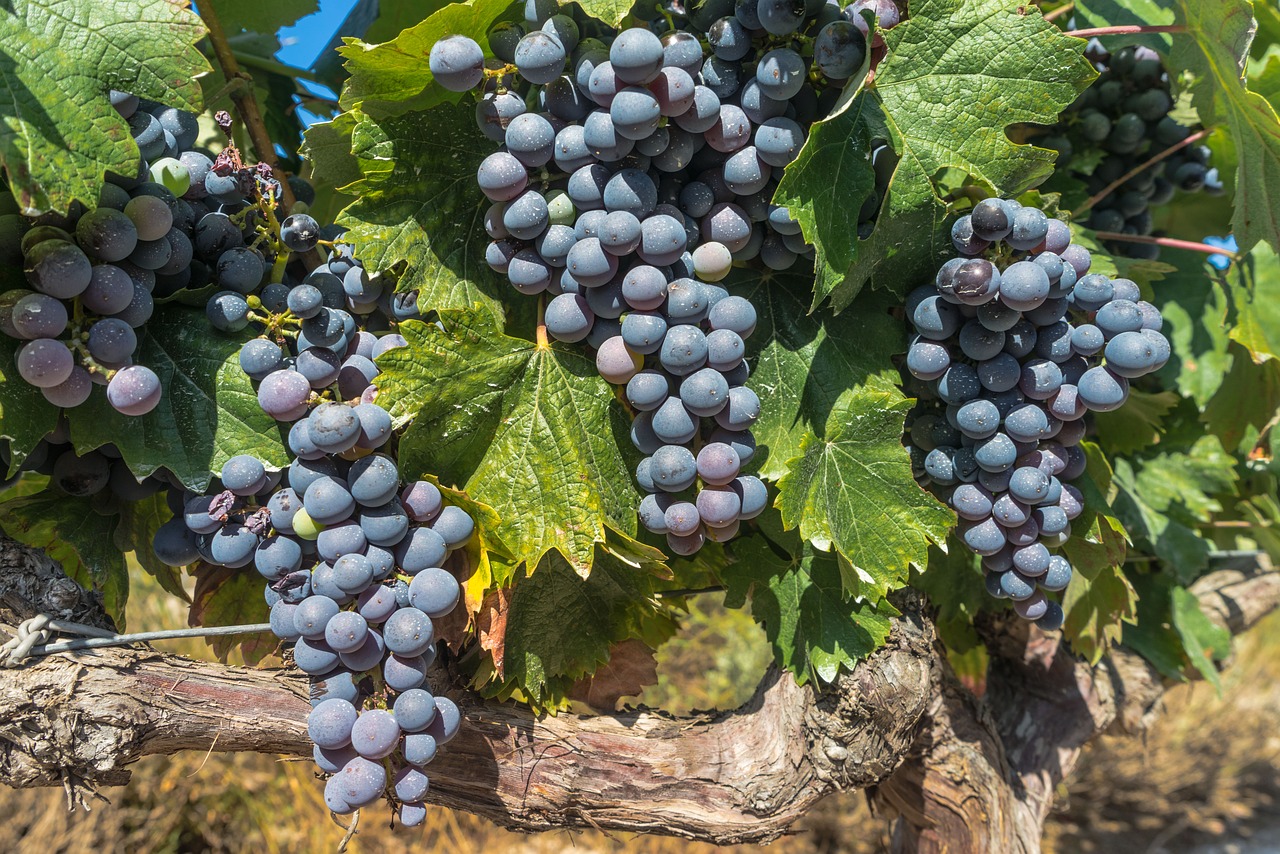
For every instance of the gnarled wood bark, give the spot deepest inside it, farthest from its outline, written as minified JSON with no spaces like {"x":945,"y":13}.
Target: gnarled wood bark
{"x":959,"y":773}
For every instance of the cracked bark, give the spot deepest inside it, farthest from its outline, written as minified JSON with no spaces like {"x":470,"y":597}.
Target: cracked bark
{"x":957,"y":772}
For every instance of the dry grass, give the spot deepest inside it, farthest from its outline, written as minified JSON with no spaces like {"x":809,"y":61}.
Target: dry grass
{"x":1209,"y":768}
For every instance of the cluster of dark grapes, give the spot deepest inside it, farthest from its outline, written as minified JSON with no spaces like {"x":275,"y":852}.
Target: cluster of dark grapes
{"x":185,"y":219}
{"x":1012,"y":358}
{"x":1119,"y":123}
{"x":100,"y":475}
{"x":635,"y":171}
{"x":354,"y":558}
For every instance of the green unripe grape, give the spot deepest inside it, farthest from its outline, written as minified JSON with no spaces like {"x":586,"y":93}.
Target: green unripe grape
{"x":172,"y":174}
{"x":304,"y":526}
{"x":560,"y":208}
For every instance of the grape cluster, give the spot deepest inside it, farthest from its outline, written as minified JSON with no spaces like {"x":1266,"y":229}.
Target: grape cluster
{"x":1119,"y":123}
{"x":185,"y":219}
{"x":635,"y":170}
{"x":1012,"y":358}
{"x":100,"y":475}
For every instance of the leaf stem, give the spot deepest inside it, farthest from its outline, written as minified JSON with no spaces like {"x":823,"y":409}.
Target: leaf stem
{"x":245,"y":102}
{"x":1126,"y":30}
{"x":1169,"y":242}
{"x":1060,"y":11}
{"x":1139,"y":169}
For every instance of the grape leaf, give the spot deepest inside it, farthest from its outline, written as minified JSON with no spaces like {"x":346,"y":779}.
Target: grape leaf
{"x":815,"y":628}
{"x":612,"y":12}
{"x":530,"y":430}
{"x":802,"y":363}
{"x":1220,"y":34}
{"x":328,"y":146}
{"x":1095,"y":609}
{"x":559,"y":626}
{"x":1128,"y":13}
{"x":232,"y":597}
{"x":1205,"y":641}
{"x":1136,"y":425}
{"x":1163,"y":498}
{"x":1152,"y":634}
{"x":1248,"y":397}
{"x":25,"y":416}
{"x":139,"y":521}
{"x":419,"y":206}
{"x":72,"y":532}
{"x":956,"y":75}
{"x":208,"y":414}
{"x":394,"y":78}
{"x":953,"y":581}
{"x":59,"y":58}
{"x":1255,"y":303}
{"x":1194,"y":310}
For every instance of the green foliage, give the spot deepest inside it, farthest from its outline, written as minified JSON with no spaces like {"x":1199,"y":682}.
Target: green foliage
{"x":425,"y":221}
{"x":797,"y":594}
{"x":256,"y":17}
{"x":25,"y":416}
{"x":1220,"y":33}
{"x":530,"y":430}
{"x":58,"y":132}
{"x":559,"y":627}
{"x":209,"y":412}
{"x":394,"y":78}
{"x":949,"y":57}
{"x":953,"y":581}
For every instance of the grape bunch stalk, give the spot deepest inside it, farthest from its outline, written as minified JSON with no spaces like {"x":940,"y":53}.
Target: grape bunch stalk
{"x":1013,"y":354}
{"x":636,"y":169}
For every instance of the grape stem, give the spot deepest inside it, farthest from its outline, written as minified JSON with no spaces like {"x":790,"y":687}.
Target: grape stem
{"x":543,"y":343}
{"x":1140,"y":168}
{"x":1168,"y":242}
{"x":243,"y":99}
{"x":1126,"y":30}
{"x":1060,"y":11}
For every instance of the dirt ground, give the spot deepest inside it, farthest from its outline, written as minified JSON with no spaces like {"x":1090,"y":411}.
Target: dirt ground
{"x":1205,"y":780}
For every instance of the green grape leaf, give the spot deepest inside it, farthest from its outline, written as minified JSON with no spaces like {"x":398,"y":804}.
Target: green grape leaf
{"x":1248,"y":397}
{"x":255,"y":16}
{"x":208,"y":414}
{"x":328,"y":146}
{"x":1128,"y":13}
{"x":394,"y":17}
{"x":802,"y":363}
{"x":956,"y":75}
{"x":559,"y":627}
{"x":232,"y":597}
{"x":1220,"y":32}
{"x":1194,"y":309}
{"x":1095,"y":609}
{"x":1162,"y":500}
{"x":394,"y":78}
{"x":1255,"y":302}
{"x":612,"y":12}
{"x":852,"y":488}
{"x":815,"y":628}
{"x":1205,"y":641}
{"x":1136,"y":425}
{"x":419,"y":207}
{"x":139,"y":521}
{"x":1152,"y":634}
{"x":25,"y":416}
{"x":72,"y":532}
{"x":530,"y":430}
{"x":58,"y":131}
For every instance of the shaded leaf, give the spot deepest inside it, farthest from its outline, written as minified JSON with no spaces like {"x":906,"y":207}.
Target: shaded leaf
{"x":25,"y":416}
{"x":815,"y":628}
{"x":208,"y":414}
{"x":232,"y":597}
{"x":419,"y":207}
{"x":1205,"y":641}
{"x":1138,"y":424}
{"x":139,"y":521}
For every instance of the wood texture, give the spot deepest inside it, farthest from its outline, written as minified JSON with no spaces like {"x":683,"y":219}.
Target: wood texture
{"x":958,"y":773}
